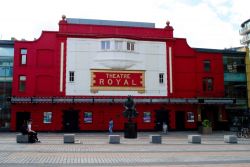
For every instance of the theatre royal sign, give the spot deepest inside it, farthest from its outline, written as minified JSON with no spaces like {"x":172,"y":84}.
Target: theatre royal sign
{"x":117,"y":80}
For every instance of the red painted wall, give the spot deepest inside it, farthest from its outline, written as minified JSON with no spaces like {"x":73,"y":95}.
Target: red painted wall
{"x":217,"y":73}
{"x":188,"y":71}
{"x":43,"y":73}
{"x":102,"y":113}
{"x":42,"y":68}
{"x":184,"y":70}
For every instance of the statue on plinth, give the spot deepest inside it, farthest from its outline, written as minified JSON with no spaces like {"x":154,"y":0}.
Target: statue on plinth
{"x":130,"y":112}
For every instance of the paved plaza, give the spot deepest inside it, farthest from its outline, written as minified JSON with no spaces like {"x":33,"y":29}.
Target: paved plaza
{"x":93,"y":149}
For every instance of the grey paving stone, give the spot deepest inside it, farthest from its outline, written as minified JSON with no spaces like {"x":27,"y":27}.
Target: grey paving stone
{"x":94,"y":150}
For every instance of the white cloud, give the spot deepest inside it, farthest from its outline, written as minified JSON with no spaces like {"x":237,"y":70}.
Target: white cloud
{"x":205,"y":23}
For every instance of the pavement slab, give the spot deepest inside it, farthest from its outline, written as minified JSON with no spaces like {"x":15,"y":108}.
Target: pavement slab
{"x":93,"y":149}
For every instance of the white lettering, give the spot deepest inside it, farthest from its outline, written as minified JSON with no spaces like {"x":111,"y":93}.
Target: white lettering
{"x":110,"y":81}
{"x":114,"y":76}
{"x":118,"y":81}
{"x":101,"y":82}
{"x":133,"y":83}
{"x":125,"y":82}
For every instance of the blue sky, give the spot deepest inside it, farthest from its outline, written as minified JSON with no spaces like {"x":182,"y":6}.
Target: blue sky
{"x":205,"y":23}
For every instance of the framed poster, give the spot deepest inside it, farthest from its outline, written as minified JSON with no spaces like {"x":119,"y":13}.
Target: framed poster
{"x":87,"y":117}
{"x":47,"y":117}
{"x":190,"y":117}
{"x":146,"y":117}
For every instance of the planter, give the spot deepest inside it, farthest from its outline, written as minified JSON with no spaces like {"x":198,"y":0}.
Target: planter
{"x":205,"y":130}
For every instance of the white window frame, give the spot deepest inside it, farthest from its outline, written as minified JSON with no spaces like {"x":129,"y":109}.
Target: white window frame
{"x":105,"y":45}
{"x":23,"y":59}
{"x":23,"y":56}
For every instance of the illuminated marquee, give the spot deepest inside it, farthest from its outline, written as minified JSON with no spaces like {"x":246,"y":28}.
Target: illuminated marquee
{"x":117,"y":80}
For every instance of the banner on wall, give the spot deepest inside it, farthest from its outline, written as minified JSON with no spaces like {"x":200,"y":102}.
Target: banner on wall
{"x":110,"y":80}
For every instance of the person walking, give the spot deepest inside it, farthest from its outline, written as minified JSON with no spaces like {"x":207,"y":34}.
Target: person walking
{"x":111,"y":125}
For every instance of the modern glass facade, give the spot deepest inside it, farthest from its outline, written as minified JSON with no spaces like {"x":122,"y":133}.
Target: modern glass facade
{"x":6,"y":73}
{"x":235,"y":87}
{"x":245,"y":32}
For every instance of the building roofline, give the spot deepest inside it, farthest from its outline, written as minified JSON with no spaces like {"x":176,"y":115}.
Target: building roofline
{"x":223,"y":51}
{"x":66,"y":26}
{"x":110,"y":23}
{"x":242,"y":24}
{"x":7,"y":43}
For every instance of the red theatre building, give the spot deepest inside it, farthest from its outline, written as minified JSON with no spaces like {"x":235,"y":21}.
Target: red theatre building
{"x":78,"y":78}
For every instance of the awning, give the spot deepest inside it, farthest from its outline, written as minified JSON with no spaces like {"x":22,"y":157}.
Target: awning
{"x":58,"y":100}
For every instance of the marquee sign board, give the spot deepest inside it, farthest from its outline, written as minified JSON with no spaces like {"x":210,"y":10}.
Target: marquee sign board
{"x":125,"y":80}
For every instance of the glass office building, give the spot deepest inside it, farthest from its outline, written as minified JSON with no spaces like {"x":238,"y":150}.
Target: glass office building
{"x":6,"y":73}
{"x":235,"y":86}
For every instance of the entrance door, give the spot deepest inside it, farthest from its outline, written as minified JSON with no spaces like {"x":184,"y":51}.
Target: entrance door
{"x":212,"y":114}
{"x":180,"y":120}
{"x":160,"y":117}
{"x":20,"y":118}
{"x":70,"y":120}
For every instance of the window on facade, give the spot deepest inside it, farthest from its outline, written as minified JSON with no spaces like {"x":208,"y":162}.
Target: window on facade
{"x":207,"y":65}
{"x":23,"y":59}
{"x":105,"y":45}
{"x":207,"y":84}
{"x":161,"y":78}
{"x":118,"y":45}
{"x":22,"y":83}
{"x":7,"y":52}
{"x":234,"y":64}
{"x":71,"y":76}
{"x":47,"y":117}
{"x":87,"y":117}
{"x":190,"y":117}
{"x":6,"y":71}
{"x":235,"y":89}
{"x":23,"y":56}
{"x":130,"y":46}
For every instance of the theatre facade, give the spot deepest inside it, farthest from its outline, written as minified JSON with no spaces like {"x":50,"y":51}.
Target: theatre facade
{"x":78,"y":78}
